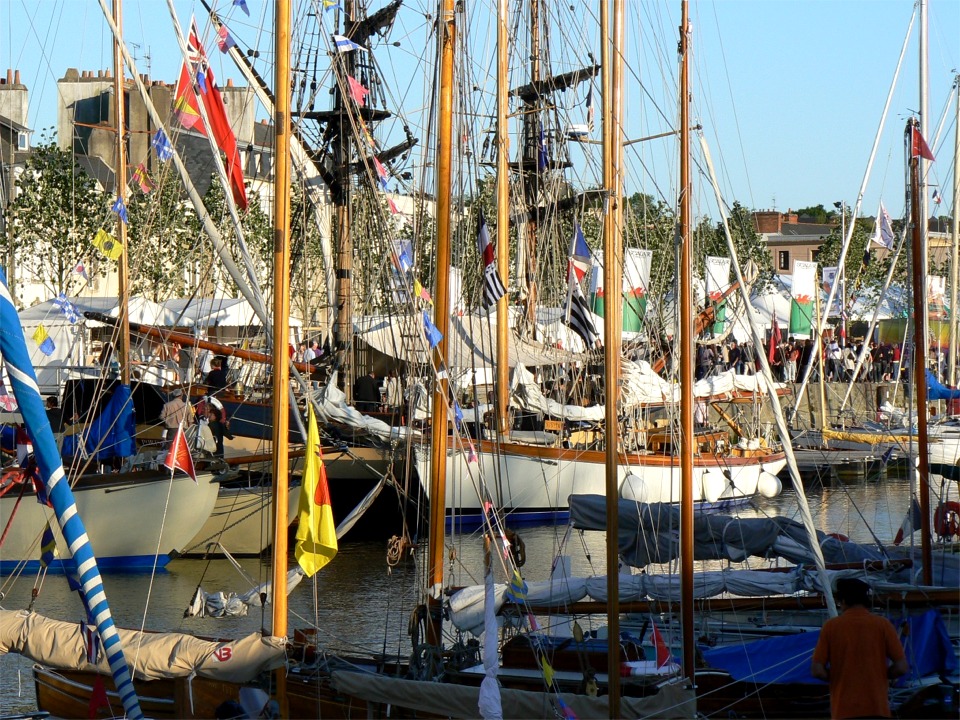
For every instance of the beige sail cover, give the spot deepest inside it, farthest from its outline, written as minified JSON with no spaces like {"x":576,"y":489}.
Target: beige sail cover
{"x":460,"y":701}
{"x":151,"y":656}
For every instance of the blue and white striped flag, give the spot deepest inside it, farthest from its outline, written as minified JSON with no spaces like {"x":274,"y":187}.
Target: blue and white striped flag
{"x":162,"y":145}
{"x":344,"y":44}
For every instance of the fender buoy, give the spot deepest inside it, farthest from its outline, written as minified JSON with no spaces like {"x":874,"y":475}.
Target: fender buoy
{"x":946,"y":519}
{"x":839,"y":536}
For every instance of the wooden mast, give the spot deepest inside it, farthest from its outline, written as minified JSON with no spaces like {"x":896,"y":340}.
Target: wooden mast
{"x":955,"y":242}
{"x":503,"y":220}
{"x":281,"y":325}
{"x":919,"y":360}
{"x":343,"y":327}
{"x":534,"y":136}
{"x":120,"y":180}
{"x":686,"y":344}
{"x":612,"y":282}
{"x":438,"y":438}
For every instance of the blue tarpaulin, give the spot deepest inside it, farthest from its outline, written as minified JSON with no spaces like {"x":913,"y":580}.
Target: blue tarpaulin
{"x":787,"y":659}
{"x":936,"y":390}
{"x":112,"y":431}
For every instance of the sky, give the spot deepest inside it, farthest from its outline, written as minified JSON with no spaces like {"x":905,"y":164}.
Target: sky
{"x":789,"y":92}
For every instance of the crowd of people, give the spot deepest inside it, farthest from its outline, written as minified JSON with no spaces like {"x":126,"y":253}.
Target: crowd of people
{"x":883,"y":362}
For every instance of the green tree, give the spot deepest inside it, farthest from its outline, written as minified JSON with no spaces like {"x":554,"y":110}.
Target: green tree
{"x":258,"y":238}
{"x":711,"y":239}
{"x":53,"y":219}
{"x":818,"y":214}
{"x":160,"y":237}
{"x":865,"y":280}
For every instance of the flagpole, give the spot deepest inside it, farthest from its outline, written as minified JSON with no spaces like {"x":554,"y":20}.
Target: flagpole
{"x":120,"y":180}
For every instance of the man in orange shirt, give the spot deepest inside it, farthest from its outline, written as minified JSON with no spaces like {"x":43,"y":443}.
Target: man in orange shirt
{"x":854,"y":654}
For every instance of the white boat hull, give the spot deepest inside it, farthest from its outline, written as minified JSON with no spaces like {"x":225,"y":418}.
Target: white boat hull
{"x":241,"y":521}
{"x":135,"y":521}
{"x":535,"y":482}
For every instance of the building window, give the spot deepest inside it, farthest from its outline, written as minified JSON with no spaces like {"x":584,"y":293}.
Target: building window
{"x":783,"y":260}
{"x":23,"y":143}
{"x":814,"y":255}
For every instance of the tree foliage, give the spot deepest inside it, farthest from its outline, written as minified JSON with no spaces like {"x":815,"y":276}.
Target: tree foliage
{"x":54,"y":217}
{"x":818,"y":214}
{"x":159,"y":240}
{"x":710,"y":238}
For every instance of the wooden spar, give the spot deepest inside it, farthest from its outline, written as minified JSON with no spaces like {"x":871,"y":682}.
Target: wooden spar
{"x":281,"y":329}
{"x":686,"y":343}
{"x":120,"y":177}
{"x":919,"y":360}
{"x":182,"y":338}
{"x":612,"y":281}
{"x":503,"y":220}
{"x":438,"y":439}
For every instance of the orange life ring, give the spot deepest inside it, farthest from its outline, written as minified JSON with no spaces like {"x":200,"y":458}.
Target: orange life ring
{"x":946,"y":519}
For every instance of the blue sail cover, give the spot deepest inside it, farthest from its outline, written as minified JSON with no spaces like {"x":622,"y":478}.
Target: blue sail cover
{"x":936,"y":390}
{"x":13,"y":349}
{"x":787,"y":659}
{"x":111,"y":433}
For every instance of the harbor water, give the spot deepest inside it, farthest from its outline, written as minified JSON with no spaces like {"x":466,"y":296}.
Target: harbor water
{"x":360,"y":604}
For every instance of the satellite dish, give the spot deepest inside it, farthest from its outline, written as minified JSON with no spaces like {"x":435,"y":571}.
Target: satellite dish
{"x":750,"y":272}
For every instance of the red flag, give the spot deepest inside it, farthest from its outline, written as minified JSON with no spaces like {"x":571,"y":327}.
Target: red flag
{"x":98,"y":698}
{"x":918,"y":146}
{"x":774,"y":339}
{"x":187,"y":110}
{"x":178,"y":457}
{"x":663,"y":652}
{"x":357,"y":91}
{"x":142,"y":178}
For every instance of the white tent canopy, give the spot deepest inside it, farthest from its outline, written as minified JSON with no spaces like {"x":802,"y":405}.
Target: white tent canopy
{"x":207,"y":312}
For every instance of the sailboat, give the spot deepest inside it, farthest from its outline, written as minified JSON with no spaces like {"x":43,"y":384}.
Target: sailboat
{"x":122,"y":502}
{"x":167,"y":675}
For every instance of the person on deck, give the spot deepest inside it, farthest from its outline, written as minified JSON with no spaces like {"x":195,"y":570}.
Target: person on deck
{"x":366,"y":392}
{"x":55,"y":416}
{"x":218,"y":428}
{"x":216,"y":379}
{"x":857,"y":652}
{"x":174,"y":413}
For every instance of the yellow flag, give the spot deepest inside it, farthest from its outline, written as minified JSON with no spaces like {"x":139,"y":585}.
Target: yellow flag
{"x":43,"y":340}
{"x":547,"y":670}
{"x":40,"y":334}
{"x":316,"y":534}
{"x":107,"y":244}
